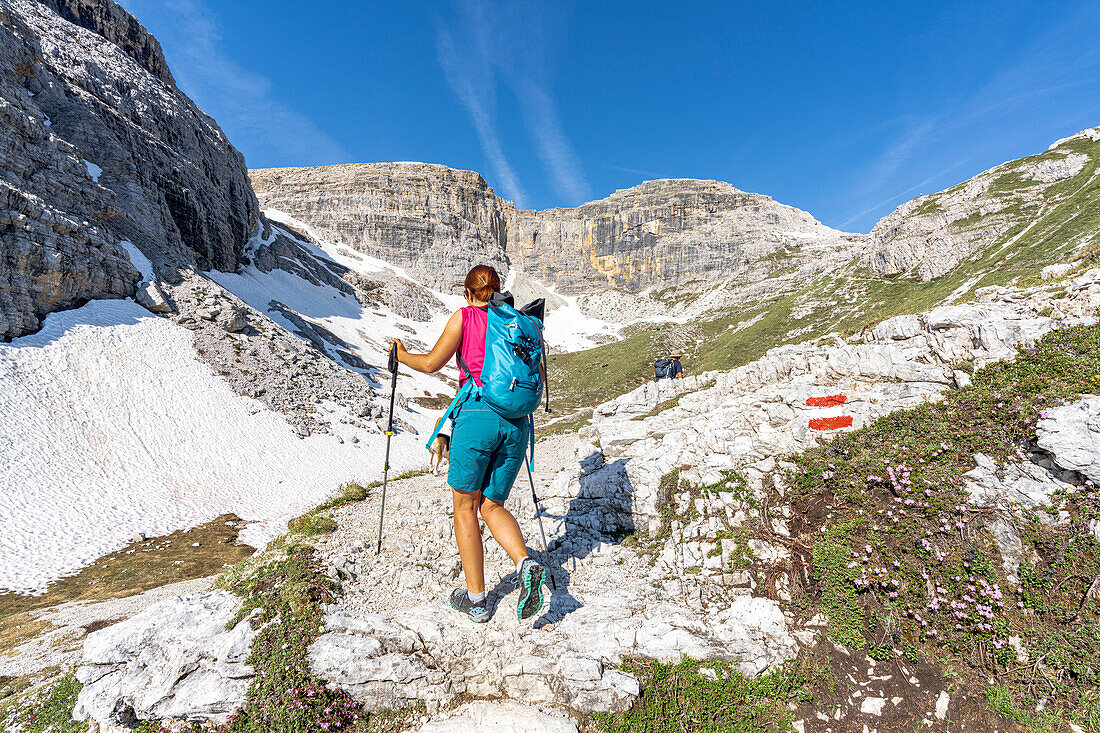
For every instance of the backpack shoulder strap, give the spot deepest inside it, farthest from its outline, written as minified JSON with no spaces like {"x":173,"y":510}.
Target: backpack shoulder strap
{"x":469,"y":375}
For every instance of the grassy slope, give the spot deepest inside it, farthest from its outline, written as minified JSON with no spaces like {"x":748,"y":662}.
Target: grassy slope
{"x":900,"y":563}
{"x":1066,"y":217}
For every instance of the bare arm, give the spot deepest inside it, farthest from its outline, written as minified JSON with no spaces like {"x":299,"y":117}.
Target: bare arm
{"x":440,"y":354}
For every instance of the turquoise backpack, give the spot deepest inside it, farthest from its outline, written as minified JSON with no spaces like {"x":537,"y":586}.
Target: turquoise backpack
{"x":513,"y":376}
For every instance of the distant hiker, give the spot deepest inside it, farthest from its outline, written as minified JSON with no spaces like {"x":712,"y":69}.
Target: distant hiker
{"x":668,"y":368}
{"x":486,"y":453}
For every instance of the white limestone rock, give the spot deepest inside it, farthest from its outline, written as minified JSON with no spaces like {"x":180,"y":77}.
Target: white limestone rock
{"x":1000,"y":487}
{"x":173,"y":660}
{"x":1071,"y":434}
{"x":152,"y":298}
{"x":499,"y":717}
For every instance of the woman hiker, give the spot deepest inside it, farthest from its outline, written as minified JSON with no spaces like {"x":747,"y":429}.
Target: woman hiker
{"x":487,"y":452}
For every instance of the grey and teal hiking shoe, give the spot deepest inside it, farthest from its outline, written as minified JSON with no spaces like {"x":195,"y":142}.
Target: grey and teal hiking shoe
{"x":531,"y":577}
{"x":460,"y":601}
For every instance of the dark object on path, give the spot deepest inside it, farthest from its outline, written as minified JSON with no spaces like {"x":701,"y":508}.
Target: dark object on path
{"x":389,"y":437}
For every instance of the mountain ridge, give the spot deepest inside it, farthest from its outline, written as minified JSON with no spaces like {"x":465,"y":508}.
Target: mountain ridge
{"x":666,"y":231}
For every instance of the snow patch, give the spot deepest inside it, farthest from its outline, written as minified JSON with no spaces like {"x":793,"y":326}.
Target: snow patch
{"x":110,"y":425}
{"x":367,"y":331}
{"x":569,"y":329}
{"x":140,"y":262}
{"x":94,"y":171}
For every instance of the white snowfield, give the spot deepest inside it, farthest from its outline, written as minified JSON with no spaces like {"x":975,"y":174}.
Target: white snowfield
{"x":111,"y":426}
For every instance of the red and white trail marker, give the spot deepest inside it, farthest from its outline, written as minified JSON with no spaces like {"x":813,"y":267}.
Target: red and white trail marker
{"x":829,"y":414}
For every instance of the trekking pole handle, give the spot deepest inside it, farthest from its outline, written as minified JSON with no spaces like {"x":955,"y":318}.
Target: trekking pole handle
{"x":393,"y":359}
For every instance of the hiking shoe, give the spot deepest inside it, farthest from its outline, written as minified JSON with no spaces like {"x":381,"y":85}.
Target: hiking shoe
{"x":460,"y":601}
{"x":531,"y":577}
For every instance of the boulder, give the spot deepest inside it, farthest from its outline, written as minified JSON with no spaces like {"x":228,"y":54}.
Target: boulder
{"x":173,"y":660}
{"x":1000,"y":487}
{"x":152,"y":298}
{"x":1071,"y":434}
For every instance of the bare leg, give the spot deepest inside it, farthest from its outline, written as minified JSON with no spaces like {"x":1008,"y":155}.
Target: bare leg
{"x":504,"y":527}
{"x":468,"y":537}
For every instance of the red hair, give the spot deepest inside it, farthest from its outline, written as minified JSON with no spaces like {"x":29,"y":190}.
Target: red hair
{"x":482,"y":282}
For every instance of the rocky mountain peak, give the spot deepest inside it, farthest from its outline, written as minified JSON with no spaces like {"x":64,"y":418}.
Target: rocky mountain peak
{"x":95,"y":119}
{"x":108,"y":19}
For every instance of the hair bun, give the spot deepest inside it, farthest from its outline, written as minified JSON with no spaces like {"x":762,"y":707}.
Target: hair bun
{"x":481,"y":282}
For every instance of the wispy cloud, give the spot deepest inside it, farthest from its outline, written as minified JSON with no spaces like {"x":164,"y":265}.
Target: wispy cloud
{"x":471,"y":75}
{"x":555,"y":151}
{"x":635,"y":171}
{"x":883,"y":168}
{"x":243,"y":102}
{"x":479,"y":58}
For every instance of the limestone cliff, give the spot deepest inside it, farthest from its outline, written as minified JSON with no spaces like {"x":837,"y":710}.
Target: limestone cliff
{"x":99,"y":146}
{"x":437,"y":222}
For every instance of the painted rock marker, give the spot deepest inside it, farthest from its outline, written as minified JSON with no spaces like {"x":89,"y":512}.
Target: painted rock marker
{"x":829,"y":422}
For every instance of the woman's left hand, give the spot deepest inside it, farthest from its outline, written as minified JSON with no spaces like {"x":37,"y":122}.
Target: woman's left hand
{"x":401,"y":352}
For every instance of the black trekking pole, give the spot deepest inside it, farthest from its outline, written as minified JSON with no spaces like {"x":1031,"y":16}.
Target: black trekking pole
{"x":389,"y":437}
{"x":538,"y":513}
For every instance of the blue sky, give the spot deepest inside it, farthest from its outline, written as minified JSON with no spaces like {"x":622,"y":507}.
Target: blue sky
{"x":842,"y":109}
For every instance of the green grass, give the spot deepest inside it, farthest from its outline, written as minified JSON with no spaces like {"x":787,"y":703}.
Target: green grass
{"x":839,"y":599}
{"x":46,"y":709}
{"x":286,"y":591}
{"x":693,"y":696}
{"x":586,"y":378}
{"x":318,"y":521}
{"x":1005,"y":701}
{"x":286,"y":587}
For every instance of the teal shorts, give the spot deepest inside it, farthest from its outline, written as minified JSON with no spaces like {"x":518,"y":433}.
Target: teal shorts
{"x":487,"y":450}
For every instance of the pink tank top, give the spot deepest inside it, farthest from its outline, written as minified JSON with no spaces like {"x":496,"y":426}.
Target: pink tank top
{"x":475,"y":321}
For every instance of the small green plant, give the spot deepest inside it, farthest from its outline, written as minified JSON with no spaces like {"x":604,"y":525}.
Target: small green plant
{"x":283,"y":594}
{"x":47,"y":709}
{"x":693,"y":696}
{"x":902,"y":562}
{"x":313,"y":524}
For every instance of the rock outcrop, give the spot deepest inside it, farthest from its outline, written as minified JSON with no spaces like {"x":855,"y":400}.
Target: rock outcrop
{"x":666,"y":233}
{"x":1071,"y":434}
{"x":174,"y":659}
{"x":437,"y":222}
{"x":100,"y":146}
{"x":764,"y":409}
